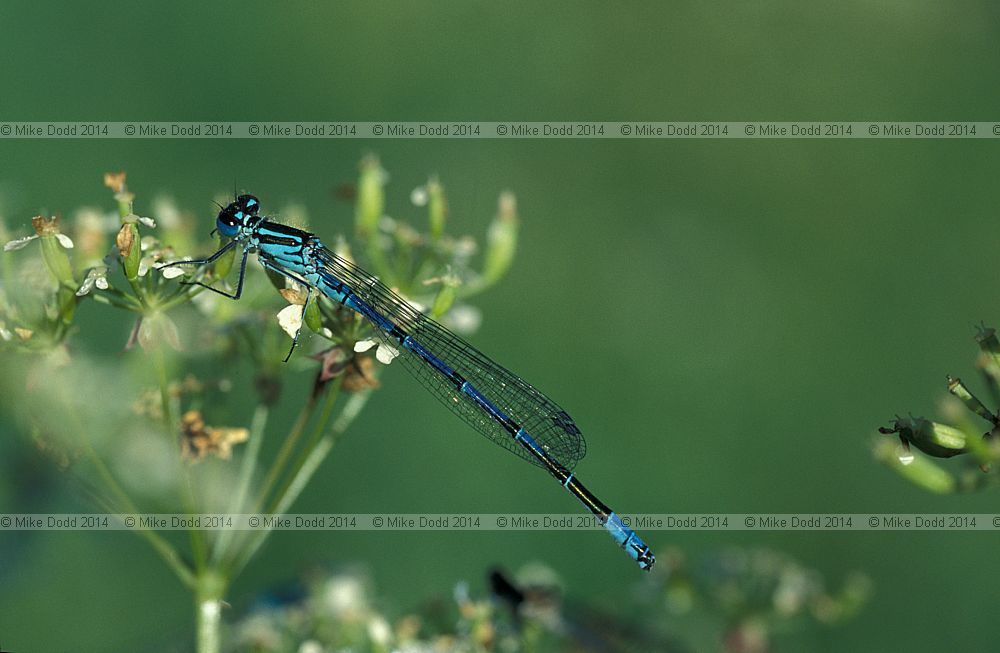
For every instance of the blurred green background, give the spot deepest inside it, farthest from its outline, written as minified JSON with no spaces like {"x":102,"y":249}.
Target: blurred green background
{"x":743,"y":314}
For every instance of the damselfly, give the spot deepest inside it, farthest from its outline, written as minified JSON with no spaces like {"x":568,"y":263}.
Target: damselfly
{"x":502,"y":406}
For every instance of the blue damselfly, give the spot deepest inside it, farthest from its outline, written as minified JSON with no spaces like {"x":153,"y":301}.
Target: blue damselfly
{"x":498,"y":403}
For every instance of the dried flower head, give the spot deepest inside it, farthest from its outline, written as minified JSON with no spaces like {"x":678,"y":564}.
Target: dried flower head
{"x":115,"y":181}
{"x":199,"y":440}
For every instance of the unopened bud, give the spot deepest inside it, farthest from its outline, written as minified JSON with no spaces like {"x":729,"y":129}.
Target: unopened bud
{"x":224,"y":263}
{"x":957,"y":388}
{"x":445,"y":297}
{"x":371,"y":197}
{"x":933,"y":438}
{"x":501,"y":239}
{"x":920,"y":470}
{"x":127,"y":241}
{"x":54,"y":246}
{"x":989,"y":345}
{"x":437,"y":207}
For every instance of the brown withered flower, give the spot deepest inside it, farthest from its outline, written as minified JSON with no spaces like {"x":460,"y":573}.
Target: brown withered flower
{"x":199,"y":440}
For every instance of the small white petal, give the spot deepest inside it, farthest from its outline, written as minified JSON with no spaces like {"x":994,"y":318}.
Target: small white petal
{"x":172,"y":273}
{"x":365,"y":345}
{"x":88,"y":284}
{"x":384,"y":354}
{"x":19,"y":243}
{"x":149,"y":222}
{"x":95,"y":277}
{"x":65,"y":241}
{"x":290,"y":319}
{"x":419,"y":196}
{"x":5,"y":334}
{"x":145,"y":263}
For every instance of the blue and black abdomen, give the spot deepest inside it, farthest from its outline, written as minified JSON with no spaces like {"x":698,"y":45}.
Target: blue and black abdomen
{"x":500,"y":405}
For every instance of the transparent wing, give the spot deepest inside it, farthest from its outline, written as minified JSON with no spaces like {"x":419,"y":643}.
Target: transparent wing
{"x":550,"y":426}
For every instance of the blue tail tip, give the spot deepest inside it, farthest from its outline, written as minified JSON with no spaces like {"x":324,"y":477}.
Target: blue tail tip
{"x":644,"y":556}
{"x":628,"y":540}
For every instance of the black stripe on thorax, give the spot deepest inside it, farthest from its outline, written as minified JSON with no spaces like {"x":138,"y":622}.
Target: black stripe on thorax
{"x":284,"y":229}
{"x":275,"y":233}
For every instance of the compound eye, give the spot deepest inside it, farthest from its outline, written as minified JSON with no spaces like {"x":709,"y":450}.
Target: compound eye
{"x":228,"y":221}
{"x":249,"y":203}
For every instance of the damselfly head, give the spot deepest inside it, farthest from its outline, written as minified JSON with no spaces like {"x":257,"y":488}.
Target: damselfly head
{"x":234,"y":216}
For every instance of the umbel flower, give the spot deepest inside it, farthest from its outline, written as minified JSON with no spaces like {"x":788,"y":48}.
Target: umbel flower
{"x":43,"y":227}
{"x":182,"y":329}
{"x":96,"y":278}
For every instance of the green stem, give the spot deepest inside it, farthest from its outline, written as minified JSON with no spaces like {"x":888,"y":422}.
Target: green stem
{"x":186,"y":294}
{"x":208,"y":611}
{"x":198,"y":547}
{"x":163,"y":381}
{"x":160,"y":545}
{"x":310,"y":463}
{"x":286,"y":450}
{"x":112,"y":300}
{"x":383,"y":269}
{"x":329,"y":402}
{"x":195,"y":535}
{"x":249,"y":464}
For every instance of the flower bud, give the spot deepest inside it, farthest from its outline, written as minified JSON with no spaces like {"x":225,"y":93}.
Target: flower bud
{"x":989,"y":345}
{"x":437,"y":207}
{"x":501,"y":241}
{"x":54,"y":246}
{"x":371,"y":197}
{"x":224,"y":263}
{"x":313,"y":317}
{"x":445,"y":296}
{"x":919,"y":470}
{"x":957,"y":388}
{"x":933,"y":438}
{"x":129,"y":247}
